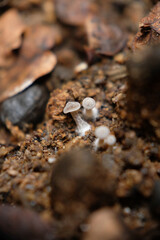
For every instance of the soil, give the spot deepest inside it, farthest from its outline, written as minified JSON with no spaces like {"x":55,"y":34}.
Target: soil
{"x":47,"y":169}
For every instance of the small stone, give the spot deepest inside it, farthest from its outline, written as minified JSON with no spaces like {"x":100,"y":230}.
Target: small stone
{"x":25,"y":107}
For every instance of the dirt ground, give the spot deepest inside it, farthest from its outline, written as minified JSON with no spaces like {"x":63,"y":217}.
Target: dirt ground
{"x":54,"y":183}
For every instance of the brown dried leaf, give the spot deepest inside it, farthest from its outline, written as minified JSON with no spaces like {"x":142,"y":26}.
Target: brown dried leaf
{"x":74,"y":12}
{"x":149,"y":33}
{"x":37,"y":39}
{"x":104,"y":39}
{"x":153,"y":19}
{"x":25,"y":72}
{"x":11,"y":29}
{"x":33,"y":61}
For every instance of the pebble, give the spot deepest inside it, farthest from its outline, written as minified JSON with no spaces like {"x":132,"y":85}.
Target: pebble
{"x":25,"y":107}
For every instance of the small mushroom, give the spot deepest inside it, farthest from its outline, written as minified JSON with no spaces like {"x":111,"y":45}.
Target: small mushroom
{"x":89,"y":111}
{"x":82,"y":126}
{"x":101,"y":133}
{"x":110,"y":140}
{"x":81,"y":67}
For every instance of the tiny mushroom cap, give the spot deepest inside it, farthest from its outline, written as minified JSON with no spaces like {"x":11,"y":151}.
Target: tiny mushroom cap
{"x":88,"y":103}
{"x":71,"y":107}
{"x":102,"y":132}
{"x":110,"y":140}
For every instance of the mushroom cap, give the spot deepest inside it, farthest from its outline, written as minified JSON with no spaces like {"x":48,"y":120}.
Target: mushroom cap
{"x":110,"y":140}
{"x":88,"y":103}
{"x":102,"y":132}
{"x":71,"y":107}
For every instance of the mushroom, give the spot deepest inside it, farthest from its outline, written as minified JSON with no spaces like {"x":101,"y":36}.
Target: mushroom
{"x":81,"y":67}
{"x":89,"y":111}
{"x":101,"y":133}
{"x":110,"y":140}
{"x":82,"y":126}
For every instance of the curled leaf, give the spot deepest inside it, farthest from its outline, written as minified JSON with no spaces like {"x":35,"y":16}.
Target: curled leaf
{"x":74,"y":12}
{"x":149,"y":33}
{"x":107,"y":39}
{"x":33,"y":62}
{"x":25,"y":72}
{"x":11,"y":29}
{"x":38,"y":38}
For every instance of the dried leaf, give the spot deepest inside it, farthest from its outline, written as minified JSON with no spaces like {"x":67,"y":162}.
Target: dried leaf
{"x":153,"y":19}
{"x":37,"y":39}
{"x":11,"y":29}
{"x":33,"y":61}
{"x":74,"y":12}
{"x":104,"y":39}
{"x":149,"y":33}
{"x":25,"y":72}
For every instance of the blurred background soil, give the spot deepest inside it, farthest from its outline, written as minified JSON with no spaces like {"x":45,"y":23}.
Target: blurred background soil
{"x":53,"y":184}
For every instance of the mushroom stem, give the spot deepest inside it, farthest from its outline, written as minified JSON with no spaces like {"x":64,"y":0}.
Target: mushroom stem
{"x":101,"y":133}
{"x":91,"y":114}
{"x":101,"y":142}
{"x":82,"y":126}
{"x":88,"y":113}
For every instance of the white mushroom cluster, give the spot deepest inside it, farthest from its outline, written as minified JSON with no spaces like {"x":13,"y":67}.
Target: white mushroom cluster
{"x":103,"y":137}
{"x":90,"y":112}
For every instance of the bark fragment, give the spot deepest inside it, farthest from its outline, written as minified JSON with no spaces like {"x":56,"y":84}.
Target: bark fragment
{"x":149,"y":33}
